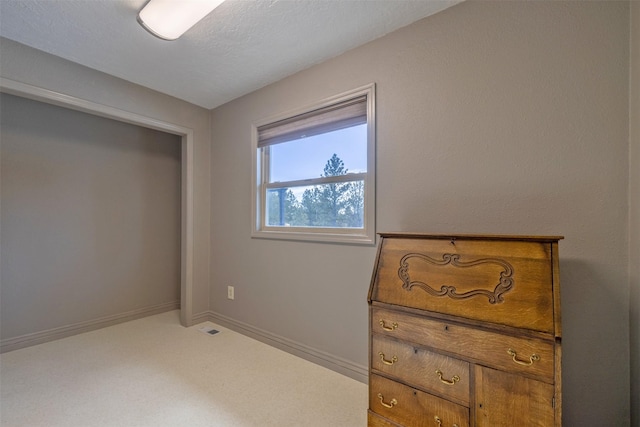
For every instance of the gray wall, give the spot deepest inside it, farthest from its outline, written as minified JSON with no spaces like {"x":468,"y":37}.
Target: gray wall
{"x":493,"y":117}
{"x":33,"y":67}
{"x":634,"y":212}
{"x":90,"y":217}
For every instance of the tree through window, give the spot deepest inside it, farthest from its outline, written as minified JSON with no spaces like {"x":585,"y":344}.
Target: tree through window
{"x":327,"y":205}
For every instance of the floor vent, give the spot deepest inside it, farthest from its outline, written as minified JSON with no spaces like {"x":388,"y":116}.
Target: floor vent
{"x":208,"y":330}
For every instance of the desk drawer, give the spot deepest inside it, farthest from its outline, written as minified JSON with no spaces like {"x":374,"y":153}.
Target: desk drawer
{"x":515,"y":354}
{"x":410,"y":407}
{"x":375,"y":420}
{"x":442,"y":375}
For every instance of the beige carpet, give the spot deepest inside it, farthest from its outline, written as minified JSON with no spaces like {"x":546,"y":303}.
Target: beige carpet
{"x":153,"y":372}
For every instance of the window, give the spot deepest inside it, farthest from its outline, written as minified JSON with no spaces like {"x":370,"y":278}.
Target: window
{"x":314,"y":172}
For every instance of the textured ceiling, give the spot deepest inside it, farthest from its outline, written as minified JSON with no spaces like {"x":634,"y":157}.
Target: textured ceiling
{"x":241,"y":46}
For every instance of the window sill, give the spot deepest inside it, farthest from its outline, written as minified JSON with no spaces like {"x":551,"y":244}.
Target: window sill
{"x":320,"y":237}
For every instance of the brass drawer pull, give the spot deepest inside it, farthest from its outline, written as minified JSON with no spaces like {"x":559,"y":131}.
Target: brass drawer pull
{"x":389,"y":405}
{"x":533,"y":358}
{"x":393,"y":360}
{"x":439,"y":421}
{"x":453,"y":380}
{"x":393,"y":326}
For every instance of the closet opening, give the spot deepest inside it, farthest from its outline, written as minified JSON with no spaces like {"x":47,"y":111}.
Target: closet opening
{"x":122,"y":206}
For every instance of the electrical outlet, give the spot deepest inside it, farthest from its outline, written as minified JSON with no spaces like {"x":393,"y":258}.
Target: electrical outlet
{"x":230,"y":292}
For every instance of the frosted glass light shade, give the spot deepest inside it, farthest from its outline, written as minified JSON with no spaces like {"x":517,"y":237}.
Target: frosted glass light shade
{"x":169,"y":19}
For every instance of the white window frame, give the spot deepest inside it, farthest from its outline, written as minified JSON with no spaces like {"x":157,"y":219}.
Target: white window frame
{"x":365,"y":235}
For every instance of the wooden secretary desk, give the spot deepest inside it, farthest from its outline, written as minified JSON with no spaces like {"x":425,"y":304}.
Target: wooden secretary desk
{"x":465,"y":331}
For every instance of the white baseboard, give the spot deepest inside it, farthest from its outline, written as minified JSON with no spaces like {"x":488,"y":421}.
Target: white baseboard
{"x":205,"y":316}
{"x":322,"y":358}
{"x":28,"y":340}
{"x":329,"y":361}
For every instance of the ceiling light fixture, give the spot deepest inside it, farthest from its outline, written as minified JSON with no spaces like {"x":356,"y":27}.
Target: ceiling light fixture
{"x":169,"y":19}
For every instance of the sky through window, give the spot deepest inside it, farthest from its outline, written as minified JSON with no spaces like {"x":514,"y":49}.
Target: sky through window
{"x":306,"y":158}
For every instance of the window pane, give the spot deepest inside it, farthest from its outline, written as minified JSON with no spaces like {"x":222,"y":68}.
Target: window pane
{"x":306,"y":158}
{"x":339,"y":205}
